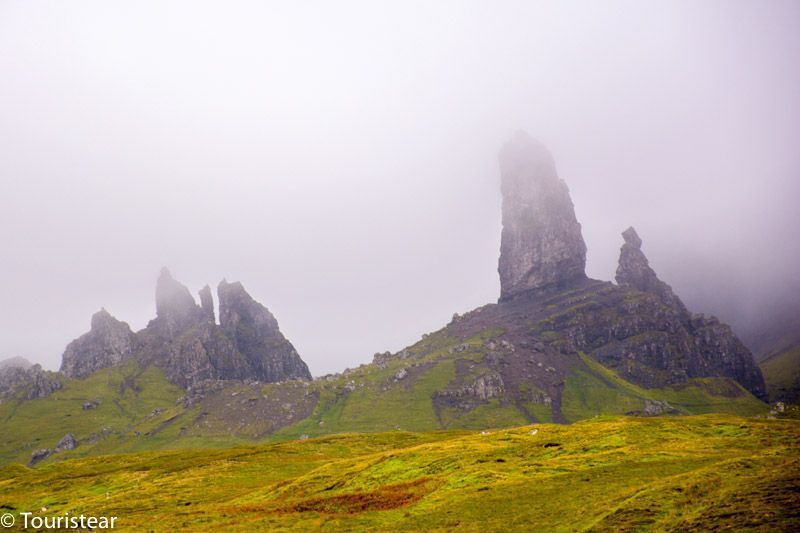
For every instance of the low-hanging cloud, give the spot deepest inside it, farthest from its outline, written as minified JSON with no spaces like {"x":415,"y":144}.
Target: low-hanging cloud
{"x":340,"y":158}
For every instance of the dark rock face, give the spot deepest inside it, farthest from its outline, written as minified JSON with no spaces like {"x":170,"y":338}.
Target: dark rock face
{"x":257,"y":335}
{"x":176,"y":310}
{"x":646,"y":341}
{"x":640,"y":328}
{"x":186,"y":342}
{"x":634,"y":271}
{"x":67,"y":442}
{"x":108,"y":343}
{"x":470,"y":395}
{"x":541,"y":244}
{"x":207,"y":303}
{"x":29,"y":383}
{"x":39,"y":455}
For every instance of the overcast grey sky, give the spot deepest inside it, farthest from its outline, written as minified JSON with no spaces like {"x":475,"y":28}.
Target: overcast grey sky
{"x":340,"y":158}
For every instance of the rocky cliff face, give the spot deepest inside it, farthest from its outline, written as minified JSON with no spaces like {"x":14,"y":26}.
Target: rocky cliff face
{"x":640,"y":328}
{"x":207,"y":303}
{"x":108,"y":343}
{"x":186,"y":342}
{"x":541,"y":244}
{"x":257,"y":335}
{"x":21,"y":380}
{"x":176,"y":310}
{"x":634,"y":271}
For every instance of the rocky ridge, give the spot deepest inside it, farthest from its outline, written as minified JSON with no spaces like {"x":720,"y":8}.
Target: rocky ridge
{"x":19,"y":379}
{"x":188,"y":344}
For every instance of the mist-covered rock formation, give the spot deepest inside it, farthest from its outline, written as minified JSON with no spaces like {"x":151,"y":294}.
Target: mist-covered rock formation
{"x":15,"y":362}
{"x":176,"y":310}
{"x":634,"y":271}
{"x":541,"y":244}
{"x":639,"y":328}
{"x":207,"y":303}
{"x":108,"y":343}
{"x":19,"y":379}
{"x":185,"y":341}
{"x":257,"y":336}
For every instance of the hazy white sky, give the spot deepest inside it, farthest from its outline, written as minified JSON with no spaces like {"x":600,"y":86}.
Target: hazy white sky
{"x":339,"y":158}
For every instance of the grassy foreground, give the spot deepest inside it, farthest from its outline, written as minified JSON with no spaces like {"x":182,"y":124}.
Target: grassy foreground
{"x":708,"y":472}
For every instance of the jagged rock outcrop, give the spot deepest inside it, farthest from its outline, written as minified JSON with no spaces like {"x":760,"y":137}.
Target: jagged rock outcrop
{"x":108,"y":343}
{"x":28,"y":382}
{"x":634,"y":271}
{"x":15,"y":362}
{"x":207,"y":303}
{"x":66,"y":443}
{"x":39,"y":455}
{"x":469,"y":395}
{"x":257,"y":335}
{"x":187,"y":344}
{"x":176,"y":310}
{"x":640,"y":328}
{"x":541,"y":243}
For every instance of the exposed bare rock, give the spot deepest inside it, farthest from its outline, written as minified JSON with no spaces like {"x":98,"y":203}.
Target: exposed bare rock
{"x":634,"y":271}
{"x":469,"y":395}
{"x":541,"y":244}
{"x":39,"y":455}
{"x":108,"y":343}
{"x":66,"y":443}
{"x":257,"y":336}
{"x":187,"y":344}
{"x":15,"y":362}
{"x":176,"y":310}
{"x":28,"y":383}
{"x":207,"y":303}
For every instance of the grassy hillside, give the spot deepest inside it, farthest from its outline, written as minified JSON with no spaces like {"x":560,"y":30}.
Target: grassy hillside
{"x":120,"y":398}
{"x":782,"y":374}
{"x":678,"y":473}
{"x":137,"y":409}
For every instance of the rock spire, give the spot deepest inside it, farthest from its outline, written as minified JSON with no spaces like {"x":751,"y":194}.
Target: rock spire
{"x":541,"y":244}
{"x":634,"y":271}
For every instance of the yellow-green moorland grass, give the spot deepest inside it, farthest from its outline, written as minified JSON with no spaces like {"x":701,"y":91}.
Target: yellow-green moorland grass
{"x":614,"y":473}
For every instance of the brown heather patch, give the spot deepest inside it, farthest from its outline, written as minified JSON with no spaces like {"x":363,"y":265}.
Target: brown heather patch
{"x":382,"y":499}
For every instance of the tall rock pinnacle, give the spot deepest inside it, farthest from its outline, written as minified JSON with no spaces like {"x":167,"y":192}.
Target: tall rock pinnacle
{"x":207,"y":302}
{"x":175,"y":307}
{"x":541,"y":243}
{"x":634,"y":271}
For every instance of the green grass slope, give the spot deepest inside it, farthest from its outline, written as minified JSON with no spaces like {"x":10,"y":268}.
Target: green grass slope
{"x":124,"y":396}
{"x":706,"y":472}
{"x":137,"y":408}
{"x":782,"y":374}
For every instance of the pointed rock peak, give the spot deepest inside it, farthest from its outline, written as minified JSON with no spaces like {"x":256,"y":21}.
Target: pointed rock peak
{"x":108,"y":343}
{"x":632,"y":238}
{"x":634,"y":271}
{"x":173,"y":300}
{"x":235,"y":303}
{"x":101,"y":318}
{"x":541,"y":244}
{"x":207,"y":302}
{"x":522,"y":152}
{"x":15,"y":362}
{"x":257,"y":335}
